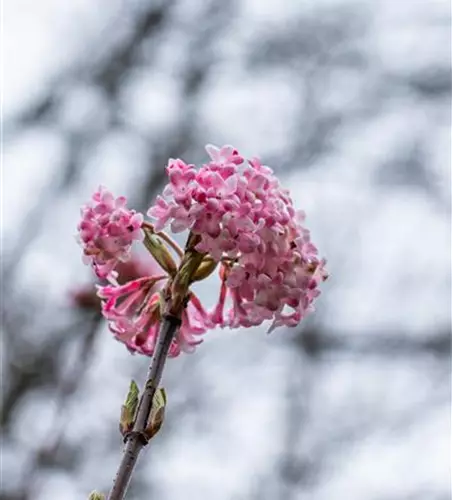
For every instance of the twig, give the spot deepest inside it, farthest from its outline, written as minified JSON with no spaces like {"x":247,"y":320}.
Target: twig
{"x":136,"y":440}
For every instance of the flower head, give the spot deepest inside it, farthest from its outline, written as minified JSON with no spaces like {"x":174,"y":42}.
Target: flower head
{"x":240,"y":220}
{"x":106,"y":232}
{"x":245,"y":219}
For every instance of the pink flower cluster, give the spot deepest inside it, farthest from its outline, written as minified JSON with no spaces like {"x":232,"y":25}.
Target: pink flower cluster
{"x":132,"y":306}
{"x":245,"y":219}
{"x":134,"y":315}
{"x":106,"y":232}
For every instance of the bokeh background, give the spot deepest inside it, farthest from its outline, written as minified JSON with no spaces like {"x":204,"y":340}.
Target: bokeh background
{"x":350,"y":102}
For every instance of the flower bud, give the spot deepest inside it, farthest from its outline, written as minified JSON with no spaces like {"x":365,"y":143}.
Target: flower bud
{"x":157,"y":413}
{"x":128,"y":409}
{"x":205,"y":269}
{"x":159,"y":251}
{"x":95,"y":495}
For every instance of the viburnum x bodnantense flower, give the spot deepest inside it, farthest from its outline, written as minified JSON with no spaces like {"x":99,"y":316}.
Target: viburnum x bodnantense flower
{"x":107,"y":230}
{"x":239,"y":219}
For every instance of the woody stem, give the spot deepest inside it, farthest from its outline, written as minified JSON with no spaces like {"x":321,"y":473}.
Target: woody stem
{"x":136,"y":440}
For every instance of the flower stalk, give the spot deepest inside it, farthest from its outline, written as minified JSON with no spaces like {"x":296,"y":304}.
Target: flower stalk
{"x":137,"y":439}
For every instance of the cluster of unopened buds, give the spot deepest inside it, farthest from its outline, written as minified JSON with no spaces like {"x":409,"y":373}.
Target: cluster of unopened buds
{"x":240,"y":221}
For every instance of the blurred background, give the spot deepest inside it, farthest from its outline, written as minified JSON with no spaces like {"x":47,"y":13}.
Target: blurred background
{"x":350,"y":102}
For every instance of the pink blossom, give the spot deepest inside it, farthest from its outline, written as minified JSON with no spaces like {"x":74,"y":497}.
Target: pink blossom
{"x":133,"y":311}
{"x":106,"y":232}
{"x":224,"y":157}
{"x":246,"y":219}
{"x":181,"y":175}
{"x":270,"y":269}
{"x":85,"y":296}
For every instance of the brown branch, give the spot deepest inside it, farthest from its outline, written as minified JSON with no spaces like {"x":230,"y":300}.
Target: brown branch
{"x":137,"y":439}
